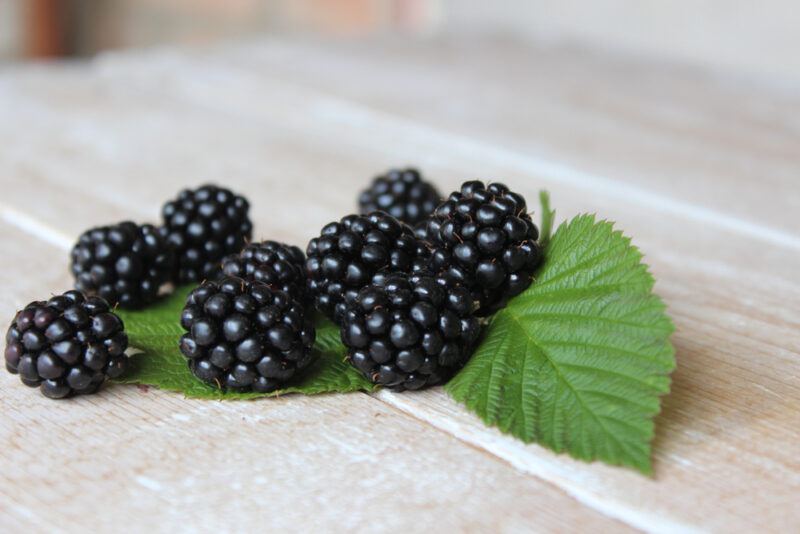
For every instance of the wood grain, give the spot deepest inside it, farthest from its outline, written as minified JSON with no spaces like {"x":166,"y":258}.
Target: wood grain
{"x":661,"y":128}
{"x":281,"y":122}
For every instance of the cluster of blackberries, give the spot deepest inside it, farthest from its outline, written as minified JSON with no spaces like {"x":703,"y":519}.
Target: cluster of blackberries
{"x":71,"y":343}
{"x":129,"y":265}
{"x":406,"y":281}
{"x":407,"y":300}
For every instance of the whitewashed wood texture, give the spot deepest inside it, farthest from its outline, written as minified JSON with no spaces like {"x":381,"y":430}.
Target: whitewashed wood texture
{"x":703,"y":173}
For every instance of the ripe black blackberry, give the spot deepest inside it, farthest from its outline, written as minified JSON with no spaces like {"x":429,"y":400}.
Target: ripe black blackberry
{"x":125,"y":264}
{"x":347,"y":254}
{"x":204,"y":226}
{"x":67,"y":345}
{"x":483,"y":238}
{"x":245,"y":336}
{"x":403,"y":194}
{"x":409,"y":331}
{"x":275,"y":264}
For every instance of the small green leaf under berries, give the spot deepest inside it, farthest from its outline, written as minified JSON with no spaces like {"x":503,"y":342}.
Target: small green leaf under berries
{"x":155,"y":331}
{"x":579,"y":360}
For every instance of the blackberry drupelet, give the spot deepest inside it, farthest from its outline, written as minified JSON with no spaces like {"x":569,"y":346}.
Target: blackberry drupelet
{"x":421,"y":230}
{"x":245,"y":336}
{"x":275,"y":264}
{"x":204,"y":226}
{"x":410,"y":331}
{"x":125,"y":264}
{"x":483,"y":238}
{"x":403,"y":194}
{"x":67,"y":345}
{"x":347,"y":254}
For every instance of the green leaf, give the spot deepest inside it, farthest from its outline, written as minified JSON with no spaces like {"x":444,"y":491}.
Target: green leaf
{"x":579,"y":360}
{"x":547,"y":218}
{"x":156,"y":331}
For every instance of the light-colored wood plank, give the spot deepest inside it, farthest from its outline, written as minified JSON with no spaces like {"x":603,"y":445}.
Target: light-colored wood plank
{"x":141,"y":459}
{"x":674,"y":130}
{"x":731,"y":423}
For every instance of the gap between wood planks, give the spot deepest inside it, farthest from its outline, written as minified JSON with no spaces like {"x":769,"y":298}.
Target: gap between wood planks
{"x":546,"y":470}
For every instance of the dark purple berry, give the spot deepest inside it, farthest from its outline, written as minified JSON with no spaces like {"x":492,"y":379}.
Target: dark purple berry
{"x":278,"y":265}
{"x":125,"y":264}
{"x":204,"y":226}
{"x":406,"y":332}
{"x":349,"y":254}
{"x":45,"y":347}
{"x":483,"y":238}
{"x":245,"y":335}
{"x":403,"y":194}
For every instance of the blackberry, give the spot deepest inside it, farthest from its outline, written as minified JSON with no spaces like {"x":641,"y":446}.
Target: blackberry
{"x":409,"y":331}
{"x":125,"y":264}
{"x":347,"y":254}
{"x":275,"y":264}
{"x":403,"y":194}
{"x":67,"y":345}
{"x":245,"y":336}
{"x":483,"y":238}
{"x":204,"y":226}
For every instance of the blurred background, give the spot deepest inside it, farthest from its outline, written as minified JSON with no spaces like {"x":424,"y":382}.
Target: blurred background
{"x":752,"y":38}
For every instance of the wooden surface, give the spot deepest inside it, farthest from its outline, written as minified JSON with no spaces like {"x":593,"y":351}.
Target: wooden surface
{"x":703,"y":172}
